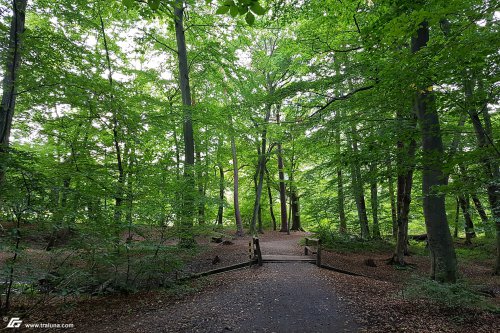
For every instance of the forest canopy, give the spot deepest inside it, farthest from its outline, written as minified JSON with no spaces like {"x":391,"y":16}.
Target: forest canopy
{"x":375,"y":119}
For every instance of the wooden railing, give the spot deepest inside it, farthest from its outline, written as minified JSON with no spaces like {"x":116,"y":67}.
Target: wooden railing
{"x":313,"y":245}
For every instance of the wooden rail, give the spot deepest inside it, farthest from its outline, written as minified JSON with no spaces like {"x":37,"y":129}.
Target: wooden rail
{"x":217,"y":270}
{"x":255,"y":256}
{"x":313,"y":245}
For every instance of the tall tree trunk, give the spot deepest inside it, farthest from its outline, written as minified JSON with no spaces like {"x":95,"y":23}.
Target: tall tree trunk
{"x":469,"y":225}
{"x":201,"y":189}
{"x":271,"y":203}
{"x":177,"y":154}
{"x":117,"y":216}
{"x":340,"y":180}
{"x":482,"y":214}
{"x":282,"y":190}
{"x":340,"y":201}
{"x":130,"y":190}
{"x":281,"y":174}
{"x":490,"y":166}
{"x":443,"y":258}
{"x":121,"y":176}
{"x":220,"y":212}
{"x":392,"y":199}
{"x":405,"y":182}
{"x":357,"y":187}
{"x":177,"y":206}
{"x":256,"y":183}
{"x":260,"y":228}
{"x":294,"y":196}
{"x":260,"y":172}
{"x":457,"y":218}
{"x":10,"y":79}
{"x":294,"y":199}
{"x":236,"y":202}
{"x":405,"y":166}
{"x":374,"y":200}
{"x":186,"y":235}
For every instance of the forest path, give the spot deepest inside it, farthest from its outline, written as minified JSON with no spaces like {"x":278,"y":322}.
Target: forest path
{"x":277,"y":297}
{"x":282,"y":244}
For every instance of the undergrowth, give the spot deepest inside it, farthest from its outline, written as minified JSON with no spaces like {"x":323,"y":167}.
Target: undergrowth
{"x":458,"y":295}
{"x":348,"y":243}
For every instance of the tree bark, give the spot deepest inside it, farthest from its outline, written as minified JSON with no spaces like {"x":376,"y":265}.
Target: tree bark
{"x":201,"y":189}
{"x":257,"y":183}
{"x":457,"y":218}
{"x":186,"y":237}
{"x":469,"y":225}
{"x":340,"y":180}
{"x":271,"y":203}
{"x":220,"y":212}
{"x":392,"y":199}
{"x":358,"y":188}
{"x":260,"y":172}
{"x":374,"y":200}
{"x":282,"y":187}
{"x":482,"y":214}
{"x":340,"y":199}
{"x":443,"y":258}
{"x":405,"y":183}
{"x":294,"y":198}
{"x":10,"y":79}
{"x":405,"y":167}
{"x":130,"y":189}
{"x":237,"y":213}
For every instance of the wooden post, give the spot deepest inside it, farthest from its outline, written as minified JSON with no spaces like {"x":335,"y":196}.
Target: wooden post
{"x":257,"y":251}
{"x":318,"y":254}
{"x":250,"y":252}
{"x":306,"y":252}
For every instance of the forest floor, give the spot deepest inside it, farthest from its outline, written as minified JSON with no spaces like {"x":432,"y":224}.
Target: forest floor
{"x":282,"y":297}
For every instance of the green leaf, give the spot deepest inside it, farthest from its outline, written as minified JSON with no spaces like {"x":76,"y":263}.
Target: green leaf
{"x":222,"y":10}
{"x":250,"y":18}
{"x":128,"y":3}
{"x":243,"y":10}
{"x":257,"y":9}
{"x":154,"y":4}
{"x":234,"y":10}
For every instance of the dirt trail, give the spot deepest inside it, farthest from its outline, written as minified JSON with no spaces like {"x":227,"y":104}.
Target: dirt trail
{"x":278,"y":297}
{"x":285,"y":244}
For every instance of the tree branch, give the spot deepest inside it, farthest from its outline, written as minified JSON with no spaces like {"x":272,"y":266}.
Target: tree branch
{"x":339,"y":98}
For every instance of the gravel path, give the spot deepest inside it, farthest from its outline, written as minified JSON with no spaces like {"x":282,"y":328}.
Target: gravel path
{"x":278,"y":297}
